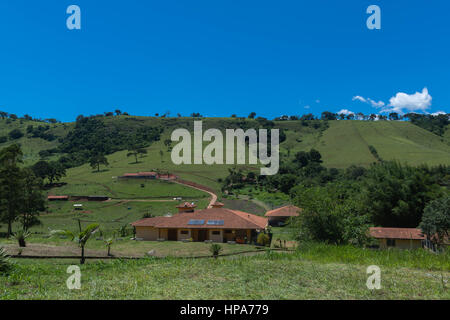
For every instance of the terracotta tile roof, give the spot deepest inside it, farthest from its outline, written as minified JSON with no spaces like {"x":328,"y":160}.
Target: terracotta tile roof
{"x":58,"y":197}
{"x":396,"y":233}
{"x":287,"y":211}
{"x":141,"y":174}
{"x":231,"y":220}
{"x":187,"y":205}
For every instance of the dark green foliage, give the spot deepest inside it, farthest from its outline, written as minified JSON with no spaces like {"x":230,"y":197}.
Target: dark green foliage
{"x":215,"y":249}
{"x":395,"y":195}
{"x":436,"y":124}
{"x":15,"y":134}
{"x":97,"y":160}
{"x":5,"y":264}
{"x":20,"y":190}
{"x":330,"y":214}
{"x":436,"y":220}
{"x":93,"y":135}
{"x":375,"y":154}
{"x":53,"y":171}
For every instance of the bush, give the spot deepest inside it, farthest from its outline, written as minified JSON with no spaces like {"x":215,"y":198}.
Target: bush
{"x":15,"y":134}
{"x":263,"y":239}
{"x":215,"y":249}
{"x":21,"y":236}
{"x":5,"y":263}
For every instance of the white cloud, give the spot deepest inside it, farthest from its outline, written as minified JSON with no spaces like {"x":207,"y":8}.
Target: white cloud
{"x":346,"y":112}
{"x":438,"y":113}
{"x":307,"y":107}
{"x":359,"y":98}
{"x":403,"y":102}
{"x":375,"y":104}
{"x":372,"y":102}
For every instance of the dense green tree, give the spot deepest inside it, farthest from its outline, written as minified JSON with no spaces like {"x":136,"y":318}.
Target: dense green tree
{"x":11,"y":184}
{"x":436,"y":220}
{"x":136,"y":150}
{"x":97,"y":160}
{"x":15,"y":134}
{"x":33,"y":200}
{"x":395,"y":195}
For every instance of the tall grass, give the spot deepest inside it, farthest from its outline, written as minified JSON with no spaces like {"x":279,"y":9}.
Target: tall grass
{"x":417,"y":258}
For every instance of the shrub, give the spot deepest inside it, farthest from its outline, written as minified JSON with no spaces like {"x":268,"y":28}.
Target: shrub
{"x":5,"y":263}
{"x":215,"y":249}
{"x":15,"y":134}
{"x":21,"y":236}
{"x":263,"y":239}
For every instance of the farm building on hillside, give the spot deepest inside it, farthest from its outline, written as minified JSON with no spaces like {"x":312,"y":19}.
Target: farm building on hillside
{"x":401,"y":238}
{"x":215,"y":224}
{"x":58,"y":198}
{"x":280,"y":215}
{"x":140,"y":175}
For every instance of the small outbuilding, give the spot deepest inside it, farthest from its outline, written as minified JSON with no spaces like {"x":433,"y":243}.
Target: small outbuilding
{"x":401,"y":238}
{"x":279,"y":216}
{"x":58,"y":198}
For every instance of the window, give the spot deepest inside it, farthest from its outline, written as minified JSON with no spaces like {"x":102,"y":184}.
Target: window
{"x":184,"y":232}
{"x":215,"y":233}
{"x":228,"y":231}
{"x":390,"y":242}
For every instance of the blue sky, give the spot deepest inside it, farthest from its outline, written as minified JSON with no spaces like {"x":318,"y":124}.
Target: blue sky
{"x":222,"y":57}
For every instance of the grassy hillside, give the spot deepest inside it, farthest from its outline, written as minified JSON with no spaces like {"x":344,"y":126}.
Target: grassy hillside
{"x":32,"y":146}
{"x":347,"y":142}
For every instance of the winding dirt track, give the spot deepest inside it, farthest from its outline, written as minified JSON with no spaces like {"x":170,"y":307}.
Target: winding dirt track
{"x":181,"y":182}
{"x":201,"y":188}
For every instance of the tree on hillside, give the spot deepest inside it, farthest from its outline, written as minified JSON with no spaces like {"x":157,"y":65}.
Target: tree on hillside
{"x":15,"y":134}
{"x":136,"y":150}
{"x":436,"y":220}
{"x":326,"y":115}
{"x":252,"y":115}
{"x":3,"y":114}
{"x":33,"y":200}
{"x":11,"y":184}
{"x":56,"y":171}
{"x":81,"y":238}
{"x":97,"y":160}
{"x":53,"y":171}
{"x":393,"y":116}
{"x":118,"y":112}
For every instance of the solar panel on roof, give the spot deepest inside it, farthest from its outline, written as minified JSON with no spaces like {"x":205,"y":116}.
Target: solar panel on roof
{"x":193,"y":222}
{"x":216,"y":222}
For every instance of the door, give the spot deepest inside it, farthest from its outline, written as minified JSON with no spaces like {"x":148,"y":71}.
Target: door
{"x":172,"y":235}
{"x":202,"y":235}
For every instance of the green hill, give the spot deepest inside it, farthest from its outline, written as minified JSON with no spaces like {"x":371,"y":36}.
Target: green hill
{"x":347,"y":142}
{"x":341,"y":143}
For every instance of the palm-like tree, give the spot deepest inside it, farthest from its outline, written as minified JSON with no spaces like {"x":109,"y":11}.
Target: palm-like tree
{"x":108,"y":244}
{"x":81,"y":238}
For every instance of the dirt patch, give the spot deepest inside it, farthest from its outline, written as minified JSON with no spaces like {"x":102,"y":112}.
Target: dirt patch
{"x":34,"y":249}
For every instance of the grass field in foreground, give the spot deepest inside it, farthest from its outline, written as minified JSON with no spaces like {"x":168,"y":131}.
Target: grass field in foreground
{"x":122,"y":248}
{"x":266,"y":276}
